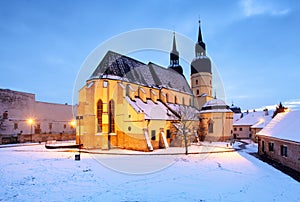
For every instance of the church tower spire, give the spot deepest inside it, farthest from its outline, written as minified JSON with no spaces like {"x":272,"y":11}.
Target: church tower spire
{"x":200,"y":47}
{"x":201,"y":74}
{"x":174,"y":55}
{"x":174,"y":58}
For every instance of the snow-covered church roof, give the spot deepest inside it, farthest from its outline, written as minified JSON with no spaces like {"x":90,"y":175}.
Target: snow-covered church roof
{"x":120,"y":67}
{"x":215,"y":105}
{"x":160,"y":111}
{"x":285,"y":125}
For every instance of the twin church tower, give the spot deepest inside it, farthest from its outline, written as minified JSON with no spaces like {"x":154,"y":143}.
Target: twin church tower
{"x":201,"y":74}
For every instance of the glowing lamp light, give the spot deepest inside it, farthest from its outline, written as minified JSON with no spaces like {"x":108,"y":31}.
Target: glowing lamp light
{"x":30,"y":121}
{"x":73,"y":123}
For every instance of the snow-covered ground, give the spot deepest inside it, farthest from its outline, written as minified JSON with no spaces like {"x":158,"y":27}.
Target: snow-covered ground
{"x":32,"y":173}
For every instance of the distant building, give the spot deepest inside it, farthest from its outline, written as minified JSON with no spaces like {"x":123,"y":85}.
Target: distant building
{"x":250,"y":123}
{"x":280,"y":139}
{"x":22,"y":117}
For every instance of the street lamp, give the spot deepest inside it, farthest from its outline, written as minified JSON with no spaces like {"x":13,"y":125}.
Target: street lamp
{"x":77,"y":156}
{"x":30,"y":122}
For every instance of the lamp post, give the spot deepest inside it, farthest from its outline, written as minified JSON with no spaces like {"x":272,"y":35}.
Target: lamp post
{"x":30,"y":122}
{"x":77,"y":156}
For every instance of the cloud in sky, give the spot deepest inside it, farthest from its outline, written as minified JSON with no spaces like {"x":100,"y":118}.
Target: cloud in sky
{"x":291,"y":104}
{"x":259,"y":7}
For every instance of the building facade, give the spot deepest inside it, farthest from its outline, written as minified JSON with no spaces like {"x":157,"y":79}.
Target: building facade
{"x":25,"y":119}
{"x":280,"y":139}
{"x":215,"y":121}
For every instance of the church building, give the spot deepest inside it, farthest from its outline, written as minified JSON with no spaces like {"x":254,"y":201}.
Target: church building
{"x":132,"y":105}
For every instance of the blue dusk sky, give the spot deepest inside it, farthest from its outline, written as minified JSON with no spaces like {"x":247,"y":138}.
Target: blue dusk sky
{"x":254,"y":44}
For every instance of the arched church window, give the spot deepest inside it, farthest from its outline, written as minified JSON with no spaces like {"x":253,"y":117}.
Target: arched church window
{"x":210,"y":126}
{"x":111,"y":115}
{"x":197,"y":92}
{"x":99,"y":115}
{"x":196,"y":82}
{"x":175,"y":100}
{"x":183,"y":100}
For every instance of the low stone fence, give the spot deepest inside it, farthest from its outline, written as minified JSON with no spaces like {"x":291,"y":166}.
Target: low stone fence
{"x":36,"y":138}
{"x":45,"y":137}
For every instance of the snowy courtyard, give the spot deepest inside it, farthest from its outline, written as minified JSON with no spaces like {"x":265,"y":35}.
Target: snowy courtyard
{"x":33,"y":173}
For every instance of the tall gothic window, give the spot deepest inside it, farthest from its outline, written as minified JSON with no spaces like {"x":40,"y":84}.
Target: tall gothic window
{"x":111,"y":115}
{"x":99,"y":115}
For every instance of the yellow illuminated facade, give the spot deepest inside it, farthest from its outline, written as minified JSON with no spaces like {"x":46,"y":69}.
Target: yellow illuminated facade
{"x":113,"y":115}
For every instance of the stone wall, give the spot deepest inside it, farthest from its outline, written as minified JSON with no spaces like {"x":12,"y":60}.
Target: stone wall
{"x":132,"y":142}
{"x":44,"y":137}
{"x":293,"y":151}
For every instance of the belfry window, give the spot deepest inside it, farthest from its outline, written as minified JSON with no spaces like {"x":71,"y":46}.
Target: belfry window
{"x":99,"y":115}
{"x":111,"y":115}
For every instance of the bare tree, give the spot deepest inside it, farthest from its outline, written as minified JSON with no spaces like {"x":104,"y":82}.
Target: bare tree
{"x":188,"y":121}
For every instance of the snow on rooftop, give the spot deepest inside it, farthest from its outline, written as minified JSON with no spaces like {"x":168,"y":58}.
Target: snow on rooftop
{"x":253,"y":118}
{"x":215,"y":111}
{"x":236,"y":117}
{"x":152,"y":110}
{"x":190,"y":112}
{"x":215,"y":102}
{"x":285,"y":126}
{"x":215,"y":106}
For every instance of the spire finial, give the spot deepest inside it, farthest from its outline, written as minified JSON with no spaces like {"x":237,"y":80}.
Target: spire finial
{"x":199,"y":33}
{"x":174,"y":49}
